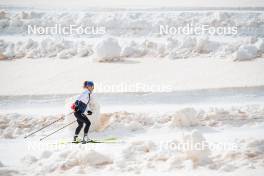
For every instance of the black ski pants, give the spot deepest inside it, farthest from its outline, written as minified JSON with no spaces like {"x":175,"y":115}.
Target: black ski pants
{"x":81,"y":118}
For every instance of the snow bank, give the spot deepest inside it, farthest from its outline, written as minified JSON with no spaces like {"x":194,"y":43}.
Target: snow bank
{"x":73,"y":161}
{"x":260,"y":45}
{"x":133,"y":49}
{"x":255,"y":148}
{"x":111,"y":49}
{"x":108,"y":50}
{"x":249,"y":155}
{"x":184,"y":118}
{"x":246,"y":52}
{"x":187,"y":117}
{"x":236,"y":116}
{"x":140,"y":155}
{"x":15,"y":125}
{"x":133,"y":34}
{"x":127,"y":121}
{"x":48,"y":47}
{"x":130,"y":23}
{"x":198,"y":156}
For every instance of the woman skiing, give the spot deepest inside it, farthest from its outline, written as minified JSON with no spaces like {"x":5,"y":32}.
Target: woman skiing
{"x":81,"y":107}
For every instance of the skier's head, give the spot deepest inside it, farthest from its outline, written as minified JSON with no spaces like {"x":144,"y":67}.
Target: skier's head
{"x":88,"y":85}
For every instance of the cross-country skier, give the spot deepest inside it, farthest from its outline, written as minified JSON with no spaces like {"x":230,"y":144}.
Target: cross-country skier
{"x":81,"y":107}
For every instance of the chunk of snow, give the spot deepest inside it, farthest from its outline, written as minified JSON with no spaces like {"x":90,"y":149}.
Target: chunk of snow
{"x":184,"y":118}
{"x":199,"y":155}
{"x":107,"y":50}
{"x":1,"y":164}
{"x":65,"y":54}
{"x":246,"y":52}
{"x":260,"y":45}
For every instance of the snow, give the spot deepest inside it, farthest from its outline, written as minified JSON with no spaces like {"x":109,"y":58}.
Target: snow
{"x":147,"y":141}
{"x":197,"y":156}
{"x":184,"y":118}
{"x":61,"y":76}
{"x":128,"y":34}
{"x":246,"y":52}
{"x":78,"y":158}
{"x":108,"y":50}
{"x":23,"y":124}
{"x":177,"y":104}
{"x":57,"y":4}
{"x":260,"y":46}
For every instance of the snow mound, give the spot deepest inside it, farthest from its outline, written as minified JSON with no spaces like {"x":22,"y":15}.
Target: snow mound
{"x":236,"y":116}
{"x":131,"y":33}
{"x":15,"y":125}
{"x":205,"y":46}
{"x":184,"y":118}
{"x":256,"y":146}
{"x":249,"y":154}
{"x":260,"y":46}
{"x":140,"y":155}
{"x":185,"y":47}
{"x":47,"y":47}
{"x":108,"y":50}
{"x":199,"y":156}
{"x":133,"y":49}
{"x":71,"y":161}
{"x":246,"y":52}
{"x":130,"y":23}
{"x":128,"y":121}
{"x":136,"y":156}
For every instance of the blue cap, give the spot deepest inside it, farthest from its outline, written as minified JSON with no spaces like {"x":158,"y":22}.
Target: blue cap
{"x":88,"y":83}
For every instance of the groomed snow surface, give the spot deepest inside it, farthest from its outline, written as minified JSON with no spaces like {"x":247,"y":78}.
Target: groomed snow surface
{"x":146,"y":144}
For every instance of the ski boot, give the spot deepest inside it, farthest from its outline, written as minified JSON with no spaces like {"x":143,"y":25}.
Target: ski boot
{"x":86,"y":139}
{"x":76,"y":139}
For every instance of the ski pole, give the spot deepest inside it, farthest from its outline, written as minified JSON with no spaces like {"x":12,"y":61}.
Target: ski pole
{"x":47,"y":125}
{"x":57,"y":130}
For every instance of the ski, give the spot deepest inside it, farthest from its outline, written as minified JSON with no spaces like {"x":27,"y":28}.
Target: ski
{"x":94,"y":141}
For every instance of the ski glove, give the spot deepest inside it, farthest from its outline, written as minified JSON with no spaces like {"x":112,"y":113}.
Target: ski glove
{"x":89,"y":112}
